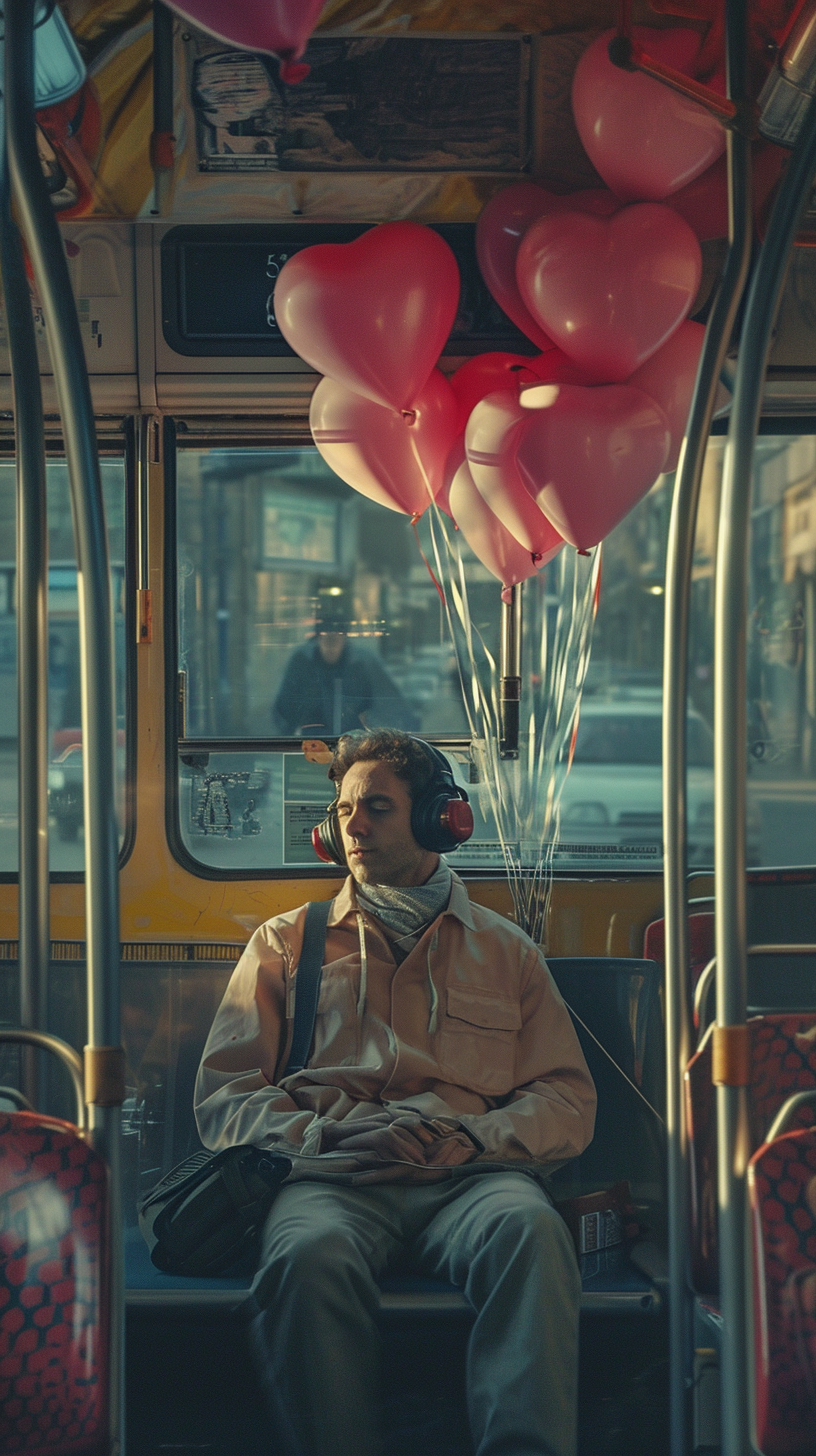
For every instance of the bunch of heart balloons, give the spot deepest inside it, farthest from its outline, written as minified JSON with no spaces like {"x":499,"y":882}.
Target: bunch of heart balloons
{"x":525,"y":453}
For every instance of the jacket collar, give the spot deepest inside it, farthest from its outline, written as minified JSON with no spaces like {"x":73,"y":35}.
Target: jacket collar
{"x":345,"y":905}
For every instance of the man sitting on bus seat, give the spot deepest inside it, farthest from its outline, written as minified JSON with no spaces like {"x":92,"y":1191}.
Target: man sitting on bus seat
{"x":445,"y":1078}
{"x":333,"y":685}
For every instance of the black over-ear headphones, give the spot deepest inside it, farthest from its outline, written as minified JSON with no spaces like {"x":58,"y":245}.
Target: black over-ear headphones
{"x":441,"y":817}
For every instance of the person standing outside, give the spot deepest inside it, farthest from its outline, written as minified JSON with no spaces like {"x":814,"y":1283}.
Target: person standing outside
{"x":445,"y":1079}
{"x":331,"y":685}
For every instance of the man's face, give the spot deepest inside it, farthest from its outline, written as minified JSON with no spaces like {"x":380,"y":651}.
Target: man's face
{"x":330,"y":646}
{"x":374,"y":814}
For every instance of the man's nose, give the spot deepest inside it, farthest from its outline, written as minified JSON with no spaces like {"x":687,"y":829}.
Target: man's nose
{"x":357,"y":822}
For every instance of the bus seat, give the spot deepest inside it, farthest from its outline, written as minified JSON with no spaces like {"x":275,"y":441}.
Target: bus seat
{"x":701,"y":942}
{"x":782,"y":1192}
{"x":53,"y":1247}
{"x":615,"y":1004}
{"x":783,"y":1061}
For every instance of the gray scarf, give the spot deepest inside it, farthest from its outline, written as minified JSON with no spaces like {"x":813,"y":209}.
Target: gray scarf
{"x":407,"y":909}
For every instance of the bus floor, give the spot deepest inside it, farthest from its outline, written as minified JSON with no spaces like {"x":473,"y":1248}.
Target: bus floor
{"x":191,"y":1389}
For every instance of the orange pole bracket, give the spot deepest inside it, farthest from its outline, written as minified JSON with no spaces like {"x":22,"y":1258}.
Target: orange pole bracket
{"x":104,"y":1076}
{"x":731,"y":1056}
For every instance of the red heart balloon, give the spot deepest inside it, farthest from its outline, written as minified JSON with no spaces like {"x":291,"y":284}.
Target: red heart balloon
{"x":645,"y":139}
{"x":491,"y":440}
{"x":487,"y":538}
{"x":274,"y":27}
{"x":610,"y":290}
{"x":373,"y":314}
{"x":587,"y":456}
{"x":488,"y":373}
{"x":502,"y":223}
{"x":396,"y":458}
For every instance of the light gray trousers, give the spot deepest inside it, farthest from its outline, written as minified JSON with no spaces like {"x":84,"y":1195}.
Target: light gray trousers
{"x":496,"y":1235}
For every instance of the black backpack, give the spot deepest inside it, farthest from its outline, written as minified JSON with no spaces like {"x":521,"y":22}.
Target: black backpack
{"x":205,"y":1216}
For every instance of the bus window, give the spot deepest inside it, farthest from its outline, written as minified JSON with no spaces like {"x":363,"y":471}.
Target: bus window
{"x":64,"y":726}
{"x":305,"y":610}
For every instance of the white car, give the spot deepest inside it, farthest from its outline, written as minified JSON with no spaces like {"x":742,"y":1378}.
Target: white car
{"x":612,"y":798}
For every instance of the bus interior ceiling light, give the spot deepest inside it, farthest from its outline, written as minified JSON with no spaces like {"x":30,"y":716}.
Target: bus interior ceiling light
{"x":784,"y":98}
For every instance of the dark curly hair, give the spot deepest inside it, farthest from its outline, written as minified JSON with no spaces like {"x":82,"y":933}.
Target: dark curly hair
{"x":403,"y":753}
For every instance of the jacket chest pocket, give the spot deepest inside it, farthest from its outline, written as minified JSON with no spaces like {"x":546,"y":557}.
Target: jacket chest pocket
{"x":337,"y":1033}
{"x":477,"y":1044}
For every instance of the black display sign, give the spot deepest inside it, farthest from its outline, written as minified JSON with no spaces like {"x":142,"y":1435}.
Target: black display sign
{"x":218,"y":285}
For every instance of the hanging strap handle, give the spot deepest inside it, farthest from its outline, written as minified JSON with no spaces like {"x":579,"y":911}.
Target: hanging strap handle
{"x":307,"y":984}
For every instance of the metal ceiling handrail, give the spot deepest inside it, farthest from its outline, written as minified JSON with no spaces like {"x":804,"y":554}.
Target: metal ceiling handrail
{"x":679,"y":558}
{"x":730,"y":766}
{"x":104,"y":1067}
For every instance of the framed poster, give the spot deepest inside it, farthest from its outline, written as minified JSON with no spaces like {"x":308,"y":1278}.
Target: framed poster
{"x":373,"y":103}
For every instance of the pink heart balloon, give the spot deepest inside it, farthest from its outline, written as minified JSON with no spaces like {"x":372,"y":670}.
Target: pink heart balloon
{"x":373,"y":314}
{"x":587,"y":456}
{"x":645,"y":139}
{"x":274,"y":27}
{"x":491,"y":440}
{"x":487,"y":538}
{"x":668,"y":378}
{"x":394,"y":458}
{"x":502,"y":223}
{"x":610,"y":290}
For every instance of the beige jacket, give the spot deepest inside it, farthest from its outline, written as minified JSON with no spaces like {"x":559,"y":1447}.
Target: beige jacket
{"x":470,"y":1026}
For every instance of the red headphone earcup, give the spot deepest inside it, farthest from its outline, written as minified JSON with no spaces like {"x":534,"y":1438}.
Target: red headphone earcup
{"x":326,"y":841}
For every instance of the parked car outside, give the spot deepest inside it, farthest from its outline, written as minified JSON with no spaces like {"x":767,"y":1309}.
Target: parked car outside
{"x":612,"y":798}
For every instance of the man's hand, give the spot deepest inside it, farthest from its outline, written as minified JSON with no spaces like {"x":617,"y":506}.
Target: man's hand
{"x":405,"y":1137}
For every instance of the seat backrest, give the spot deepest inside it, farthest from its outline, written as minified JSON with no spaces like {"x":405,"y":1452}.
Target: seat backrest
{"x":701,"y":941}
{"x":783,"y":1061}
{"x":782,"y":1192}
{"x":54,"y":1253}
{"x":616,"y":1002}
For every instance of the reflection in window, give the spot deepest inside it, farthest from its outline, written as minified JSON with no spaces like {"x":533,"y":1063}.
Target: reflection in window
{"x":303,"y":607}
{"x":64,"y":716}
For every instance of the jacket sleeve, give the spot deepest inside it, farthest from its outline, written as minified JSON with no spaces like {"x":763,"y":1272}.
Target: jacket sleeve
{"x":236,"y":1100}
{"x":550,"y":1117}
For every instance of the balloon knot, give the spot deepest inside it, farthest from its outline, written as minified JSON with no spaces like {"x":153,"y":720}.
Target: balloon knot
{"x":409,"y":416}
{"x":293,"y":72}
{"x":536,"y":557}
{"x":417,"y":516}
{"x":507,"y":595}
{"x":582,"y":551}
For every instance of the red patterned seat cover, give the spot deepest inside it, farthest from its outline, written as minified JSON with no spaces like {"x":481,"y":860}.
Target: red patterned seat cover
{"x":782,"y":1190}
{"x":783,"y":1061}
{"x":53,"y":1346}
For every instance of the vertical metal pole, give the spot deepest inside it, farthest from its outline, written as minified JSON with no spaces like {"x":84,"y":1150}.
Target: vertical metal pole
{"x":104,"y":1059}
{"x":510,"y":672}
{"x":162,"y":141}
{"x":731,"y":1057}
{"x":679,"y":558}
{"x":32,"y":639}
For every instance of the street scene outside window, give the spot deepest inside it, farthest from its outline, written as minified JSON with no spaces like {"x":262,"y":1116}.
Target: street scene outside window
{"x":306,"y":610}
{"x":66,"y":847}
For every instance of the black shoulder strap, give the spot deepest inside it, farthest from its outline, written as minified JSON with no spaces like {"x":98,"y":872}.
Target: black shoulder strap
{"x":307,"y":984}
